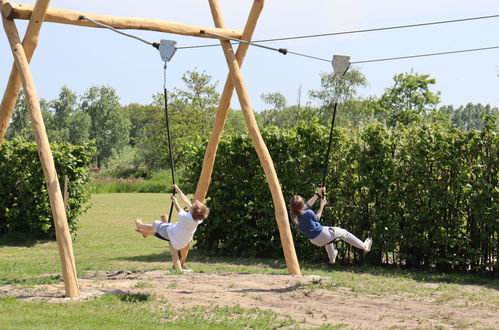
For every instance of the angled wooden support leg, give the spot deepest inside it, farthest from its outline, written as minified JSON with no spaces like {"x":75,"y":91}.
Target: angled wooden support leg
{"x":221,"y":117}
{"x":63,"y":236}
{"x":174,"y":253}
{"x":14,"y":84}
{"x":261,"y":149}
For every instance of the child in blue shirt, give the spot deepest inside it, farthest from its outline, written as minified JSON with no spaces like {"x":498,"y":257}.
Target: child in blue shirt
{"x":308,"y":224}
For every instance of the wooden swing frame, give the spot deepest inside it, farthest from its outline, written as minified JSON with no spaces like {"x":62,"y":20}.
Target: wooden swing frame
{"x":21,"y":77}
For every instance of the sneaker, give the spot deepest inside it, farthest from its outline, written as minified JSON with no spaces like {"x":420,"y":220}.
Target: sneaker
{"x":368,"y":243}
{"x":333,"y":257}
{"x":332,"y":253}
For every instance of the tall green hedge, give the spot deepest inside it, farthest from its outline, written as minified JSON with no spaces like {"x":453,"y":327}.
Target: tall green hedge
{"x":427,"y":195}
{"x":24,"y":203}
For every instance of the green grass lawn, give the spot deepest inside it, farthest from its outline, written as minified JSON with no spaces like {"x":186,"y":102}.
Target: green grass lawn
{"x":106,"y":241}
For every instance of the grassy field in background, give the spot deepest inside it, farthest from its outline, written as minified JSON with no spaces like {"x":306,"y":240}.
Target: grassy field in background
{"x":106,"y":241}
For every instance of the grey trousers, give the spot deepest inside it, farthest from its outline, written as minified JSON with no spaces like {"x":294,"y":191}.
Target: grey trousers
{"x":330,"y":234}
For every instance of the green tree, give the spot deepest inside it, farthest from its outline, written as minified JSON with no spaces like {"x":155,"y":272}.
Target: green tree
{"x":275,"y":99}
{"x":335,"y":88}
{"x":140,"y":117}
{"x":408,"y":99}
{"x":289,"y":116}
{"x":20,"y":125}
{"x":235,"y":122}
{"x":109,"y":123}
{"x":191,"y":112}
{"x":470,"y":116}
{"x":79,"y":128}
{"x":62,"y":109}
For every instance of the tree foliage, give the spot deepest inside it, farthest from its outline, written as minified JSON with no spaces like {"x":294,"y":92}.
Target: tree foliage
{"x":471,"y":116}
{"x":408,"y":99}
{"x":24,"y":202}
{"x":336,"y":89}
{"x":109,"y":125}
{"x":426,"y":194}
{"x":191,"y":112}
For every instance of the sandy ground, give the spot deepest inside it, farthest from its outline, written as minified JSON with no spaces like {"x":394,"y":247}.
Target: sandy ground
{"x":294,"y":296}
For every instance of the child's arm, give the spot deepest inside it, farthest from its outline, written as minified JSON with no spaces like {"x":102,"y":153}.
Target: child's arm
{"x":318,"y":194}
{"x":321,"y":208}
{"x":175,"y":203}
{"x":183,"y":197}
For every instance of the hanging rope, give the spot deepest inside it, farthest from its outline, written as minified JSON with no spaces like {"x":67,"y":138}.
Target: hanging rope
{"x":326,"y":160}
{"x":167,"y":121}
{"x":340,"y":65}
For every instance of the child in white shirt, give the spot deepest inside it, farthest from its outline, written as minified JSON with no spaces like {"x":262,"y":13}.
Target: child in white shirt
{"x":179,"y":233}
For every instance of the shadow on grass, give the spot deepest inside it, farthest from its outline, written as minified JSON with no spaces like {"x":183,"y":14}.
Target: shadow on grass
{"x":198,"y":256}
{"x":17,"y":240}
{"x":489,"y":280}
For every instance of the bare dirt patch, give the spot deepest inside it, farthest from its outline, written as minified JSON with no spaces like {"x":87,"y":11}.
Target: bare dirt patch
{"x":307,"y":299}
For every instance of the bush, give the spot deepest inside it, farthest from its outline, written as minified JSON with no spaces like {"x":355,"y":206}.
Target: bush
{"x":426,"y":194}
{"x":24,"y":201}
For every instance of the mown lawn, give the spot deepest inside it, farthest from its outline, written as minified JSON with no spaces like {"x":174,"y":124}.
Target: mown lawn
{"x":106,"y":241}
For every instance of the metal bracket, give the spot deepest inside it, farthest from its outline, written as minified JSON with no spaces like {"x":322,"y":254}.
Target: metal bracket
{"x":167,"y":49}
{"x":341,"y":63}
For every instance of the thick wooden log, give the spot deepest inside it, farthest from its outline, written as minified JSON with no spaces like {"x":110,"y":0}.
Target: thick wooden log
{"x":261,"y":150}
{"x":63,"y":236}
{"x":223,"y":107}
{"x":64,"y":16}
{"x":174,"y":253}
{"x":30,"y":42}
{"x":221,"y":117}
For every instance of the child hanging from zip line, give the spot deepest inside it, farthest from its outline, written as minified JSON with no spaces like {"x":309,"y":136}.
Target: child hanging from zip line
{"x":308,"y":223}
{"x":181,"y":232}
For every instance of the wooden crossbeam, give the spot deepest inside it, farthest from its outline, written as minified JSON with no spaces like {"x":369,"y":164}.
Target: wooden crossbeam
{"x":64,"y":16}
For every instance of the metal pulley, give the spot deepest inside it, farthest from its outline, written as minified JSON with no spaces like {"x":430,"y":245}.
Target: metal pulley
{"x":341,"y":63}
{"x":167,"y":49}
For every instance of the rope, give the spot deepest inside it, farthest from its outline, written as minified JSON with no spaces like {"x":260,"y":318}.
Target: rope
{"x":167,"y":122}
{"x":326,"y":160}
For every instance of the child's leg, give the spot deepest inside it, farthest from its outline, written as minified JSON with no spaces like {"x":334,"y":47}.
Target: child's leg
{"x":144,"y":229}
{"x":348,"y":237}
{"x":332,"y":253}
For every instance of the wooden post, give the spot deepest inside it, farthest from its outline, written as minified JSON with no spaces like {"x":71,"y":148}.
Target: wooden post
{"x":63,"y":236}
{"x":261,"y":149}
{"x":223,"y":107}
{"x":174,"y":253}
{"x":221,"y":118}
{"x":30,"y":42}
{"x":64,"y":16}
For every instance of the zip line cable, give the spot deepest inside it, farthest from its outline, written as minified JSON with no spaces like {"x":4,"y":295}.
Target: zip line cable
{"x":357,"y":31}
{"x":425,"y":55}
{"x":285,"y":51}
{"x":84,"y":18}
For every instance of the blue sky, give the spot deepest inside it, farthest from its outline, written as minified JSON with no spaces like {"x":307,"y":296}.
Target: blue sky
{"x":82,"y":57}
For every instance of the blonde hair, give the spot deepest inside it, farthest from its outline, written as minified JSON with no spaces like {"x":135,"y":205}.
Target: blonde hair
{"x":199,"y":211}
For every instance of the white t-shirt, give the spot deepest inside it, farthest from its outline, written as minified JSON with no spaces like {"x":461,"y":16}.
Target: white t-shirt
{"x":181,"y":232}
